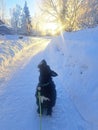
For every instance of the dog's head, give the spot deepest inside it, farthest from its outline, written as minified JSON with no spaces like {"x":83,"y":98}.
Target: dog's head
{"x":42,"y":64}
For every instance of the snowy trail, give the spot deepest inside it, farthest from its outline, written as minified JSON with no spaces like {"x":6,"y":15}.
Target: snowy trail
{"x":17,"y":100}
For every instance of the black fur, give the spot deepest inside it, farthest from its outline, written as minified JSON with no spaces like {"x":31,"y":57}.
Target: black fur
{"x":47,"y":87}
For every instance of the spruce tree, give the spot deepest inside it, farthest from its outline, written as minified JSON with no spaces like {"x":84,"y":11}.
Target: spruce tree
{"x":26,"y":20}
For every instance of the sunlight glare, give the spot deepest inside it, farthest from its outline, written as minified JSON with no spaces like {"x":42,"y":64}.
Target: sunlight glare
{"x":51,"y":28}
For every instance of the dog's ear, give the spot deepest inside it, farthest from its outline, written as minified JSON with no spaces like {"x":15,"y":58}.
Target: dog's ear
{"x":54,"y":74}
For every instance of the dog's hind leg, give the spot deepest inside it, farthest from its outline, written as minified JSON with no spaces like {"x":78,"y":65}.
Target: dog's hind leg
{"x":49,"y":111}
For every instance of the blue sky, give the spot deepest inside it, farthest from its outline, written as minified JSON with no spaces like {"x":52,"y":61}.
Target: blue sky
{"x":31,"y":4}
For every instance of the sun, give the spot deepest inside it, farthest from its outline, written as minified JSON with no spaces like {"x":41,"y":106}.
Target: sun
{"x":50,"y":28}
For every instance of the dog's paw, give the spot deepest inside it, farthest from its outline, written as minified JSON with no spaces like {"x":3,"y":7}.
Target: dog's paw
{"x":44,"y":99}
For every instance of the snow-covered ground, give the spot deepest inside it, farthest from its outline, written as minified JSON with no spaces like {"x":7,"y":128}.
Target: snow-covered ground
{"x":74,"y":57}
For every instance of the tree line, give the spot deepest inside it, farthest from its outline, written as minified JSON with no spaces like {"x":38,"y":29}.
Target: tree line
{"x":21,"y":19}
{"x":70,"y":15}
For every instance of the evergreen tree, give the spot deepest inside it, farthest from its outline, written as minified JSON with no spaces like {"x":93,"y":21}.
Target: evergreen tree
{"x":26,"y":20}
{"x":16,"y":18}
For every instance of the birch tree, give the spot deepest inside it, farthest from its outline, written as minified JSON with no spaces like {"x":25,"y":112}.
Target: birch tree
{"x":65,"y":12}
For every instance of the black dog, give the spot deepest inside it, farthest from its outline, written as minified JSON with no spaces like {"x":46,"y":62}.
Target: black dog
{"x":46,"y":87}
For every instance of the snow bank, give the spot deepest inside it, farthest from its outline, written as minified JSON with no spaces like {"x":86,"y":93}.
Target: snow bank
{"x":11,"y":48}
{"x":80,"y":70}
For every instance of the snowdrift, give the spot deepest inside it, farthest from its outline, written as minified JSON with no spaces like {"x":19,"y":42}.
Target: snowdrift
{"x":10,"y":46}
{"x":80,"y":70}
{"x":11,"y":49}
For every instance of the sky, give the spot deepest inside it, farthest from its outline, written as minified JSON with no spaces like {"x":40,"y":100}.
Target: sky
{"x":31,"y":4}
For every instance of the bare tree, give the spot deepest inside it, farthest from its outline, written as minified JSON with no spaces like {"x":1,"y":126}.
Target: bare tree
{"x":74,"y":11}
{"x":65,"y":12}
{"x":90,"y":17}
{"x":54,"y":8}
{"x":2,"y":10}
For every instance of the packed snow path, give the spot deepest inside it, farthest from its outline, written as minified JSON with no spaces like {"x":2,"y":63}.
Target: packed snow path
{"x":17,"y":97}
